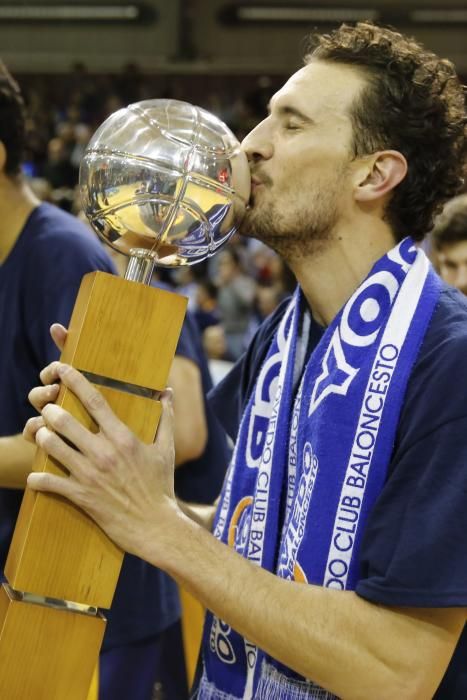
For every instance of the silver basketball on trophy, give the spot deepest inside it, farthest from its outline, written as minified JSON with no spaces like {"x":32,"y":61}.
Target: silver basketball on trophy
{"x":166,"y":177}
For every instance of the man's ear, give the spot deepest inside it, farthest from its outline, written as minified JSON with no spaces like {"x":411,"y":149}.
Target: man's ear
{"x":380,"y":174}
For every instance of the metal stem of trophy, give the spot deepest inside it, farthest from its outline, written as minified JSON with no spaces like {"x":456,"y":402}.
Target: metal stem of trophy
{"x":140,"y":266}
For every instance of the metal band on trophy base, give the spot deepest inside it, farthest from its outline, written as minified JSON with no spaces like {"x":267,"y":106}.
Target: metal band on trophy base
{"x":46,"y":651}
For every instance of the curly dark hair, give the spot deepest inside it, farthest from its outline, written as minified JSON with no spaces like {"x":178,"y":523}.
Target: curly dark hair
{"x":413,"y":103}
{"x":12,"y":121}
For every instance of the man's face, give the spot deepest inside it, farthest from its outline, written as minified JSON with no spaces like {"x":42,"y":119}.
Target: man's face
{"x":453,"y":265}
{"x":300,"y":159}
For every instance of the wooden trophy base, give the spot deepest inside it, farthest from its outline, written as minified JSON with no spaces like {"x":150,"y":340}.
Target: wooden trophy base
{"x":123,"y":336}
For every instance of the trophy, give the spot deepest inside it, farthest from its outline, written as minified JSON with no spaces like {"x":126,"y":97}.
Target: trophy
{"x":164,"y":183}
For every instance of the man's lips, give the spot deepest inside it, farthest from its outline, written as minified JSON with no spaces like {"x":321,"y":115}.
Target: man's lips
{"x":260,"y":179}
{"x":255,"y":183}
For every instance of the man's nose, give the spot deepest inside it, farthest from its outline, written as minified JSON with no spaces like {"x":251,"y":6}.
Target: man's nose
{"x":257,"y":144}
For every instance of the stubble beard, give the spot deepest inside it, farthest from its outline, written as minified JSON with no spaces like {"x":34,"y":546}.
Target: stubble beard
{"x":302,"y":231}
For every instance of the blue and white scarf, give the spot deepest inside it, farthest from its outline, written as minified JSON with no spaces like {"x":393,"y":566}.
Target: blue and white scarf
{"x":300,"y":512}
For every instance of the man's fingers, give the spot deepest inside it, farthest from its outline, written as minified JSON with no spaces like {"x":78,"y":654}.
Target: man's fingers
{"x":62,"y":486}
{"x":68,"y":427}
{"x":59,"y":450}
{"x":49,"y":374}
{"x":165,"y":430}
{"x":31,"y":428}
{"x":42,"y":395}
{"x":90,"y":397}
{"x":59,"y":335}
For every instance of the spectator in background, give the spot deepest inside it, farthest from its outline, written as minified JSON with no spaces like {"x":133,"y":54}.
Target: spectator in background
{"x":82,"y":134}
{"x":207,"y":312}
{"x":185,"y":281}
{"x":263,"y":262}
{"x":449,"y":238}
{"x":267,"y":299}
{"x":215,"y":346}
{"x":58,"y":170}
{"x":235,"y":300}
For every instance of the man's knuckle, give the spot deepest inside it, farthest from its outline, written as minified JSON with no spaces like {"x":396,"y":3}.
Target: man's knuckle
{"x":84,"y":488}
{"x":94,"y":401}
{"x":80,"y":494}
{"x":107,"y":461}
{"x":49,"y":370}
{"x":45,"y":438}
{"x":125,"y":441}
{"x":60,"y":421}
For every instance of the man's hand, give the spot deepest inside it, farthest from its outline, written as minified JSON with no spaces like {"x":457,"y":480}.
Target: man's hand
{"x":190,"y":426}
{"x":59,"y":334}
{"x":17,"y":455}
{"x":125,"y":485}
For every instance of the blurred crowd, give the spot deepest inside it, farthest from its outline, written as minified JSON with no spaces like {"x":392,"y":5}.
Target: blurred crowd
{"x":231,"y":293}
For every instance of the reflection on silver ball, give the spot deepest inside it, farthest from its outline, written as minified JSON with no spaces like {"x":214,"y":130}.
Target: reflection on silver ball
{"x":167,"y":177}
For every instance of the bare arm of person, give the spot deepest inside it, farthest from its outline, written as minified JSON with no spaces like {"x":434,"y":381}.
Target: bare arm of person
{"x":353,"y":648}
{"x":16,"y":455}
{"x":200,"y":513}
{"x":190,"y":429}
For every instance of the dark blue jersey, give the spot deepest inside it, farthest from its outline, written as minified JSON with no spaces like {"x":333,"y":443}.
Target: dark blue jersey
{"x":413,"y":549}
{"x":39,"y":281}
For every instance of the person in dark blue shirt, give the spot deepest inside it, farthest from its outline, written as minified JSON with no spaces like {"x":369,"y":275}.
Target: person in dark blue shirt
{"x":396,"y":553}
{"x":44,"y":253}
{"x":336,"y":562}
